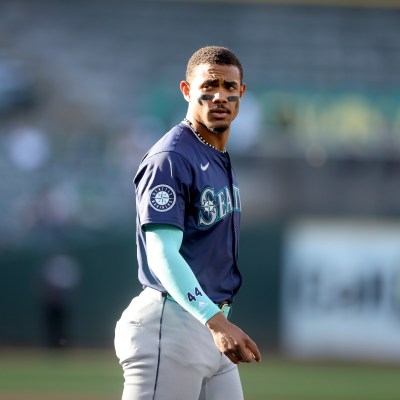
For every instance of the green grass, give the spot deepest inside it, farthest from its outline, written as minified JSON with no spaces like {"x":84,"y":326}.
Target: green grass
{"x":284,"y":380}
{"x":80,"y":372}
{"x":95,"y":374}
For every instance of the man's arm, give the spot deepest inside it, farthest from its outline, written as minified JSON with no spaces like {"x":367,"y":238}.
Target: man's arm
{"x":163,"y":243}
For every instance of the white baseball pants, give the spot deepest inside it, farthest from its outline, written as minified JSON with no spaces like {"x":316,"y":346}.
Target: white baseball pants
{"x":166,"y":354}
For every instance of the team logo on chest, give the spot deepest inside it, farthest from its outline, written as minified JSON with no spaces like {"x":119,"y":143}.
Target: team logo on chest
{"x":215,"y":206}
{"x":162,"y":198}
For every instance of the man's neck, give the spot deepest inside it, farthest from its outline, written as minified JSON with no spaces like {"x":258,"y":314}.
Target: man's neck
{"x":214,"y":138}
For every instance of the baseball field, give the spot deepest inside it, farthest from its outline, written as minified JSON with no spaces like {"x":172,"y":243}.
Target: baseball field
{"x":31,"y":374}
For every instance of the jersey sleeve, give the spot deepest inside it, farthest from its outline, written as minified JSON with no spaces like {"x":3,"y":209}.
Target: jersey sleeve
{"x":162,"y":189}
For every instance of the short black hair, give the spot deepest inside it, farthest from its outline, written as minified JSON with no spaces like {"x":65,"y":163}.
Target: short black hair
{"x":213,"y":55}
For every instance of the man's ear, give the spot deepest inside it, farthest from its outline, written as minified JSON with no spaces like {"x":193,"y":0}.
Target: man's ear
{"x":185,"y":89}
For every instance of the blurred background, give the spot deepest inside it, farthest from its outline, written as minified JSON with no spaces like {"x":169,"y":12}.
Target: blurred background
{"x":87,"y":86}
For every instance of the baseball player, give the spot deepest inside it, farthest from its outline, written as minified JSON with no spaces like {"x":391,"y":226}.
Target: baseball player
{"x":174,"y":341}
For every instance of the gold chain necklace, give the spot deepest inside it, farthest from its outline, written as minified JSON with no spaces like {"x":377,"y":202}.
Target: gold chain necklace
{"x":202,"y":140}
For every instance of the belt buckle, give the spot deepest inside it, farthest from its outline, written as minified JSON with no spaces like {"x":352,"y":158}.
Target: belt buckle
{"x":226,"y":309}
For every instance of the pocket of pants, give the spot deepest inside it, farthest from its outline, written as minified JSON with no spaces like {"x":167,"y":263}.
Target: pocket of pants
{"x":126,"y":342}
{"x":137,"y":332}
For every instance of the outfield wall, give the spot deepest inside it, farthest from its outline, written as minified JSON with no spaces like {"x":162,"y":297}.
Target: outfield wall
{"x":107,"y":280}
{"x":313,"y":287}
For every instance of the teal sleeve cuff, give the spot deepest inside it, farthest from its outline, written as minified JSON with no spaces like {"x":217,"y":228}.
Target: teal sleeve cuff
{"x":163,"y":243}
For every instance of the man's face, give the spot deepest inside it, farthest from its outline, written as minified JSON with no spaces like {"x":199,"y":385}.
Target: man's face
{"x":214,"y":93}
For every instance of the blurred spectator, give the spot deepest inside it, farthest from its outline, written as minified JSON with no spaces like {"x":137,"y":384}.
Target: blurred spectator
{"x":61,"y":276}
{"x":16,"y":88}
{"x":28,"y":148}
{"x":58,"y":205}
{"x":133,"y":143}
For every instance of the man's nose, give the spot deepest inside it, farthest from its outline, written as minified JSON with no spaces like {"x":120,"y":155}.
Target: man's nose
{"x":220,"y":97}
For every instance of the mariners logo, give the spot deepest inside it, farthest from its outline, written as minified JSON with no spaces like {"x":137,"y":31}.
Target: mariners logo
{"x":215,"y":206}
{"x":162,"y":198}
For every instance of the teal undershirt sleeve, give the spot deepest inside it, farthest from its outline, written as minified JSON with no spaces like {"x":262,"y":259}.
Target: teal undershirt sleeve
{"x":163,"y":243}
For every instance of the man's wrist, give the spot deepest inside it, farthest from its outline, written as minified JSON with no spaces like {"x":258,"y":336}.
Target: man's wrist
{"x":215,"y":321}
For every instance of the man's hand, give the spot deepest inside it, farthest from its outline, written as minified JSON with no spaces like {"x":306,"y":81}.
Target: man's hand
{"x":232,"y":341}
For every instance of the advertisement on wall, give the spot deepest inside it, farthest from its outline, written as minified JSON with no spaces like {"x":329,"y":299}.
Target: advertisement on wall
{"x":341,"y":289}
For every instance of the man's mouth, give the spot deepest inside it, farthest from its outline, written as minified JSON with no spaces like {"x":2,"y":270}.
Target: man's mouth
{"x":219,"y":112}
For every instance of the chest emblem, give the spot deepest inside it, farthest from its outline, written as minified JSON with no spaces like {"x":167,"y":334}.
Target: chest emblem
{"x":215,"y":206}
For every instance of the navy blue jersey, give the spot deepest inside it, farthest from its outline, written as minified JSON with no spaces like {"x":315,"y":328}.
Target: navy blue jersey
{"x":185,"y":183}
